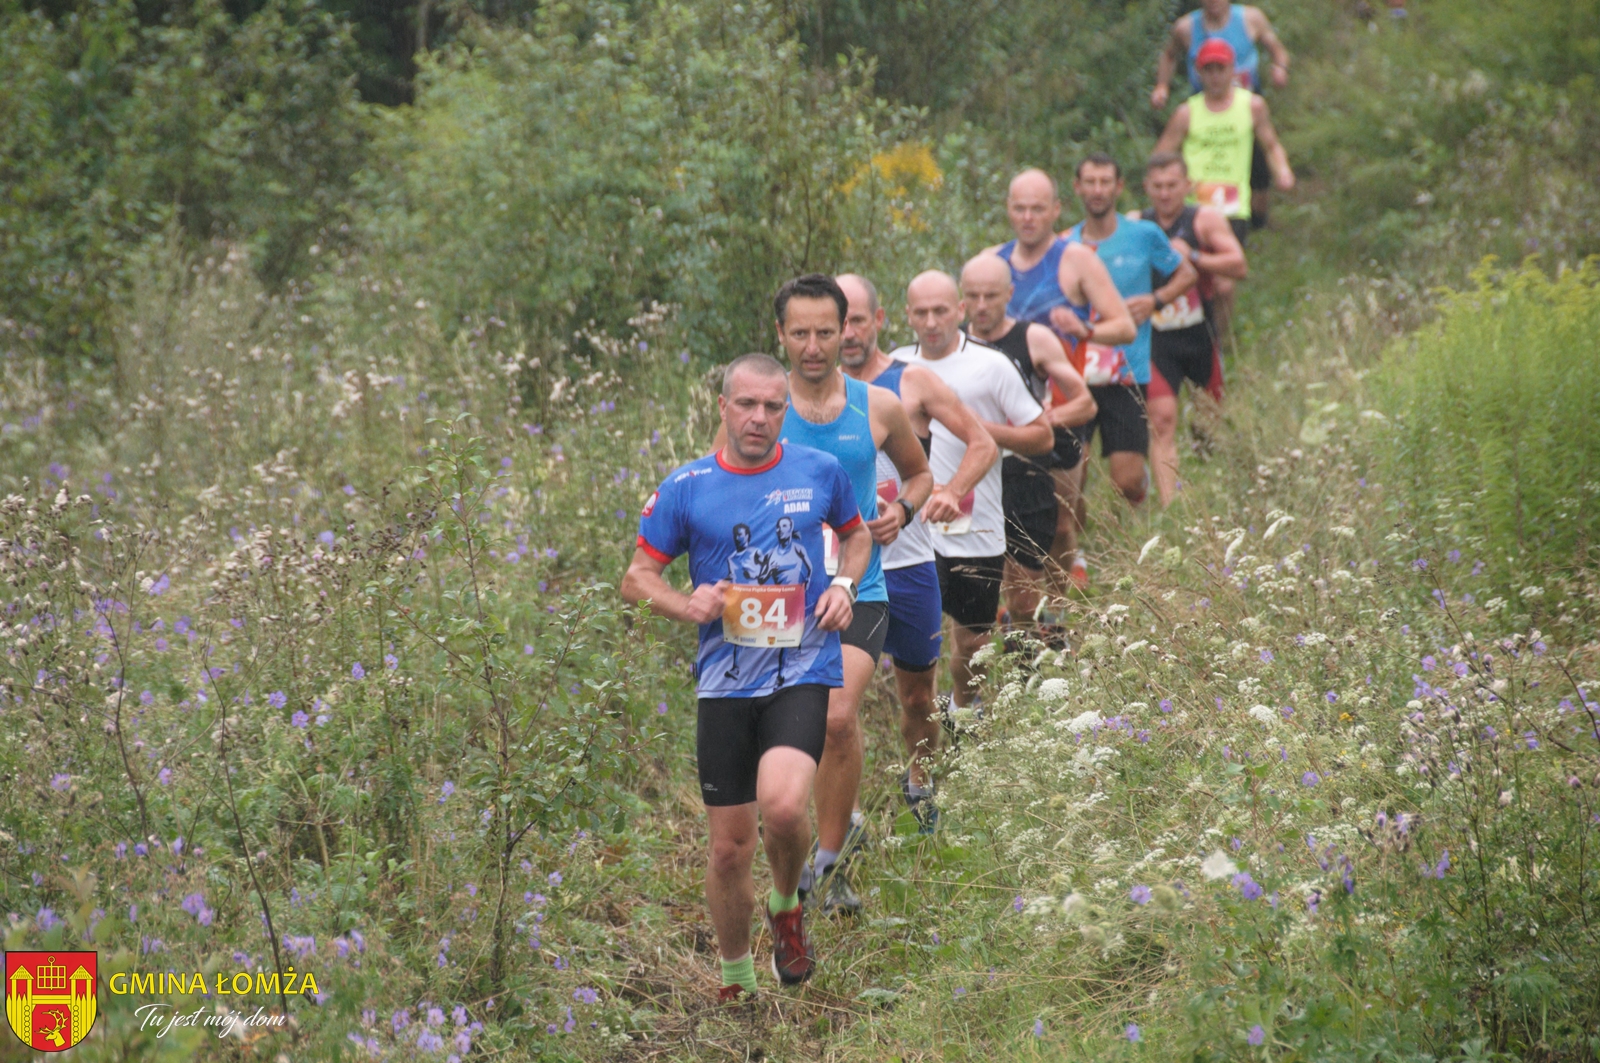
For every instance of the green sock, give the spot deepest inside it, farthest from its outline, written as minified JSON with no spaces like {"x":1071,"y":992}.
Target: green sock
{"x":777,"y":903}
{"x":740,"y":972}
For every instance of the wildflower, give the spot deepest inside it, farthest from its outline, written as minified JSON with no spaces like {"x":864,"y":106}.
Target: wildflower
{"x":1266,"y":657}
{"x":1419,"y":564}
{"x":435,"y":1016}
{"x":146,"y":698}
{"x":325,"y":538}
{"x":1438,"y":870}
{"x":1165,"y":705}
{"x":1016,"y":903}
{"x":571,"y":1023}
{"x":1132,"y":1033}
{"x":357,"y":672}
{"x":472,"y":889}
{"x":60,"y":781}
{"x":349,"y":490}
{"x":122,"y":850}
{"x":1429,"y":663}
{"x":140,"y":848}
{"x":46,"y":919}
{"x":1038,"y":1027}
{"x":1217,"y":866}
{"x":277,"y":699}
{"x":160,"y":586}
{"x":555,"y":878}
{"x":960,"y":992}
{"x":177,"y":846}
{"x":1310,"y":778}
{"x":299,"y":719}
{"x":551,"y":1028}
{"x":1314,"y":899}
{"x":661,"y":709}
{"x":1247,"y":886}
{"x":446,"y":790}
{"x":458,"y":1015}
{"x":1140,"y":895}
{"x":1256,"y":1036}
{"x":1263,"y":714}
{"x":390,"y":661}
{"x":1332,"y":697}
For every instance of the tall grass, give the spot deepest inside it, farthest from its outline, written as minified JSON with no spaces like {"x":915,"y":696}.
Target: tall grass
{"x":1493,"y":409}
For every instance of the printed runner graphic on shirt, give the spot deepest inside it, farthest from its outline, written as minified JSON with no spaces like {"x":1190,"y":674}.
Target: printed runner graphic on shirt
{"x":1185,"y":311}
{"x":767,"y":616}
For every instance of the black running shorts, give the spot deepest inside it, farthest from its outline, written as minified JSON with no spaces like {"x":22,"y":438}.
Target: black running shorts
{"x":732,"y":734}
{"x":1028,"y":494}
{"x":969,"y":589}
{"x":1241,"y":229}
{"x":869,"y":624}
{"x":1187,"y":353}
{"x":1260,"y":172}
{"x":1120,"y":419}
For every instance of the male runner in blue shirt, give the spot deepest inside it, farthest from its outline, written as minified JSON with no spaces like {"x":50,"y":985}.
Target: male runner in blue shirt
{"x":761,"y":727}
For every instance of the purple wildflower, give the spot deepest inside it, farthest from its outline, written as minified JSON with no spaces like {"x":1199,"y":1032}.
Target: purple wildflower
{"x":1257,"y":1036}
{"x":1132,"y":1033}
{"x":1140,"y":895}
{"x":357,"y":672}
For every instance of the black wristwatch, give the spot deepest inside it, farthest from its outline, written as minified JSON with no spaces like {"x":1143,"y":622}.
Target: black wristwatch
{"x":911,"y":511}
{"x":1160,"y":303}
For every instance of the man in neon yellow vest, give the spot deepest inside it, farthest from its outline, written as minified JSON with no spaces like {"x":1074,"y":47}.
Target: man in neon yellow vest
{"x":1214,"y":131}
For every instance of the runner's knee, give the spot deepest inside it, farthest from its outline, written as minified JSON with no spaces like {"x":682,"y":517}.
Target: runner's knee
{"x":731,"y":855}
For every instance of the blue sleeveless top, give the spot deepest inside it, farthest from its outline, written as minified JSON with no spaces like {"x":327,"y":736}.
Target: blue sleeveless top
{"x":890,"y":377}
{"x":1246,"y":61}
{"x":1037,"y":290}
{"x":848,"y":437}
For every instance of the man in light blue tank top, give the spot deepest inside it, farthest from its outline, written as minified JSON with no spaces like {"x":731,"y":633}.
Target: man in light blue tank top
{"x":852,"y":421}
{"x":1245,"y":29}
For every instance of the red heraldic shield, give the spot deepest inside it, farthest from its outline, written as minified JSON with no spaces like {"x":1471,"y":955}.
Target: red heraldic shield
{"x":50,"y":998}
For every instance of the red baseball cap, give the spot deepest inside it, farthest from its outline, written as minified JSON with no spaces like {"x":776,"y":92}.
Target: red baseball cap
{"x":1215,"y":50}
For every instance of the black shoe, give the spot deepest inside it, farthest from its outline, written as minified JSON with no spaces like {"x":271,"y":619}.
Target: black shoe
{"x":922,"y":806}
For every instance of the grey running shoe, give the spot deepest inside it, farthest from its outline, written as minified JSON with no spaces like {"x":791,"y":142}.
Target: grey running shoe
{"x":923,"y":808}
{"x":834,"y":894}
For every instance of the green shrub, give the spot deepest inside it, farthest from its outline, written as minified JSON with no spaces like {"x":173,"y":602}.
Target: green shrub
{"x":1493,"y":408}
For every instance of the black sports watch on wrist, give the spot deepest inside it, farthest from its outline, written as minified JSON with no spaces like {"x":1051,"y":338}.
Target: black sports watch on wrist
{"x":910,"y":510}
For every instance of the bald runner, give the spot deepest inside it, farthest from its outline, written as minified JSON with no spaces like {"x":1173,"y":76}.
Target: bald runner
{"x":1067,"y":288}
{"x":913,"y":640}
{"x":970,"y":550}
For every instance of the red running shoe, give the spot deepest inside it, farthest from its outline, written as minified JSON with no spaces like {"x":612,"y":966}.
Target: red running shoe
{"x":1078,"y":573}
{"x":730,"y":994}
{"x":791,"y":952}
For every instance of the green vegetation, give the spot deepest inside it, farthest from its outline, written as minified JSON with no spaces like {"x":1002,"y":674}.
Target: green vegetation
{"x":1485,"y":403}
{"x":312,"y":524}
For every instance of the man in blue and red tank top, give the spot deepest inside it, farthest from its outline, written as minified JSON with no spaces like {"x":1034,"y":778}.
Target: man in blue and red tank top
{"x":763,"y":721}
{"x":1068,"y":289}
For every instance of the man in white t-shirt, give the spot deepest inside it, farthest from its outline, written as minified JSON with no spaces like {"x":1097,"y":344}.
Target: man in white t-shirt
{"x":970,"y":550}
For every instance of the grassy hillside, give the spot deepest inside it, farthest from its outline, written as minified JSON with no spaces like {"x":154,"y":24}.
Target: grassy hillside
{"x":313,"y":657}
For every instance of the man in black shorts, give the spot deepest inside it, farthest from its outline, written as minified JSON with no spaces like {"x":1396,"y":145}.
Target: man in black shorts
{"x":970,"y":549}
{"x":761,"y":726}
{"x":1027,"y":486}
{"x":1185,"y":337}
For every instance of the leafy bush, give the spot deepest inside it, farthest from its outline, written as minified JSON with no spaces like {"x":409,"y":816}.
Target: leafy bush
{"x":1490,"y":407}
{"x":111,"y":131}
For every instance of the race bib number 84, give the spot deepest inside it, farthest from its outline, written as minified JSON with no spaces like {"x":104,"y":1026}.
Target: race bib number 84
{"x":764,"y":616}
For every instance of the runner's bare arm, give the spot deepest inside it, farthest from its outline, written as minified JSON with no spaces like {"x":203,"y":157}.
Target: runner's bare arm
{"x":1031,"y":439}
{"x":833,"y":611}
{"x":1050,"y":357}
{"x":900,"y":443}
{"x":1277,"y":157}
{"x":1267,"y":39}
{"x":1177,"y":130}
{"x":1167,"y":62}
{"x":1221,"y":254}
{"x":938,"y":402}
{"x":644,"y":582}
{"x":1116,"y":324}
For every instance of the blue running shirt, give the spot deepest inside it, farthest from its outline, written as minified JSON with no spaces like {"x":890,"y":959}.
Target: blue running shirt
{"x":760,"y":530}
{"x":1246,"y":59}
{"x":1138,"y":256}
{"x":848,"y":437}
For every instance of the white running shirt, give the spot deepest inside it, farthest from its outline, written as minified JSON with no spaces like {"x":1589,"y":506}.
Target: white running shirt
{"x":987,"y":382}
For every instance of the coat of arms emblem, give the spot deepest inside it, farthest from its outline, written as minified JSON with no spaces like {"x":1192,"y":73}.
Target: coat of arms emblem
{"x":50,"y":998}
